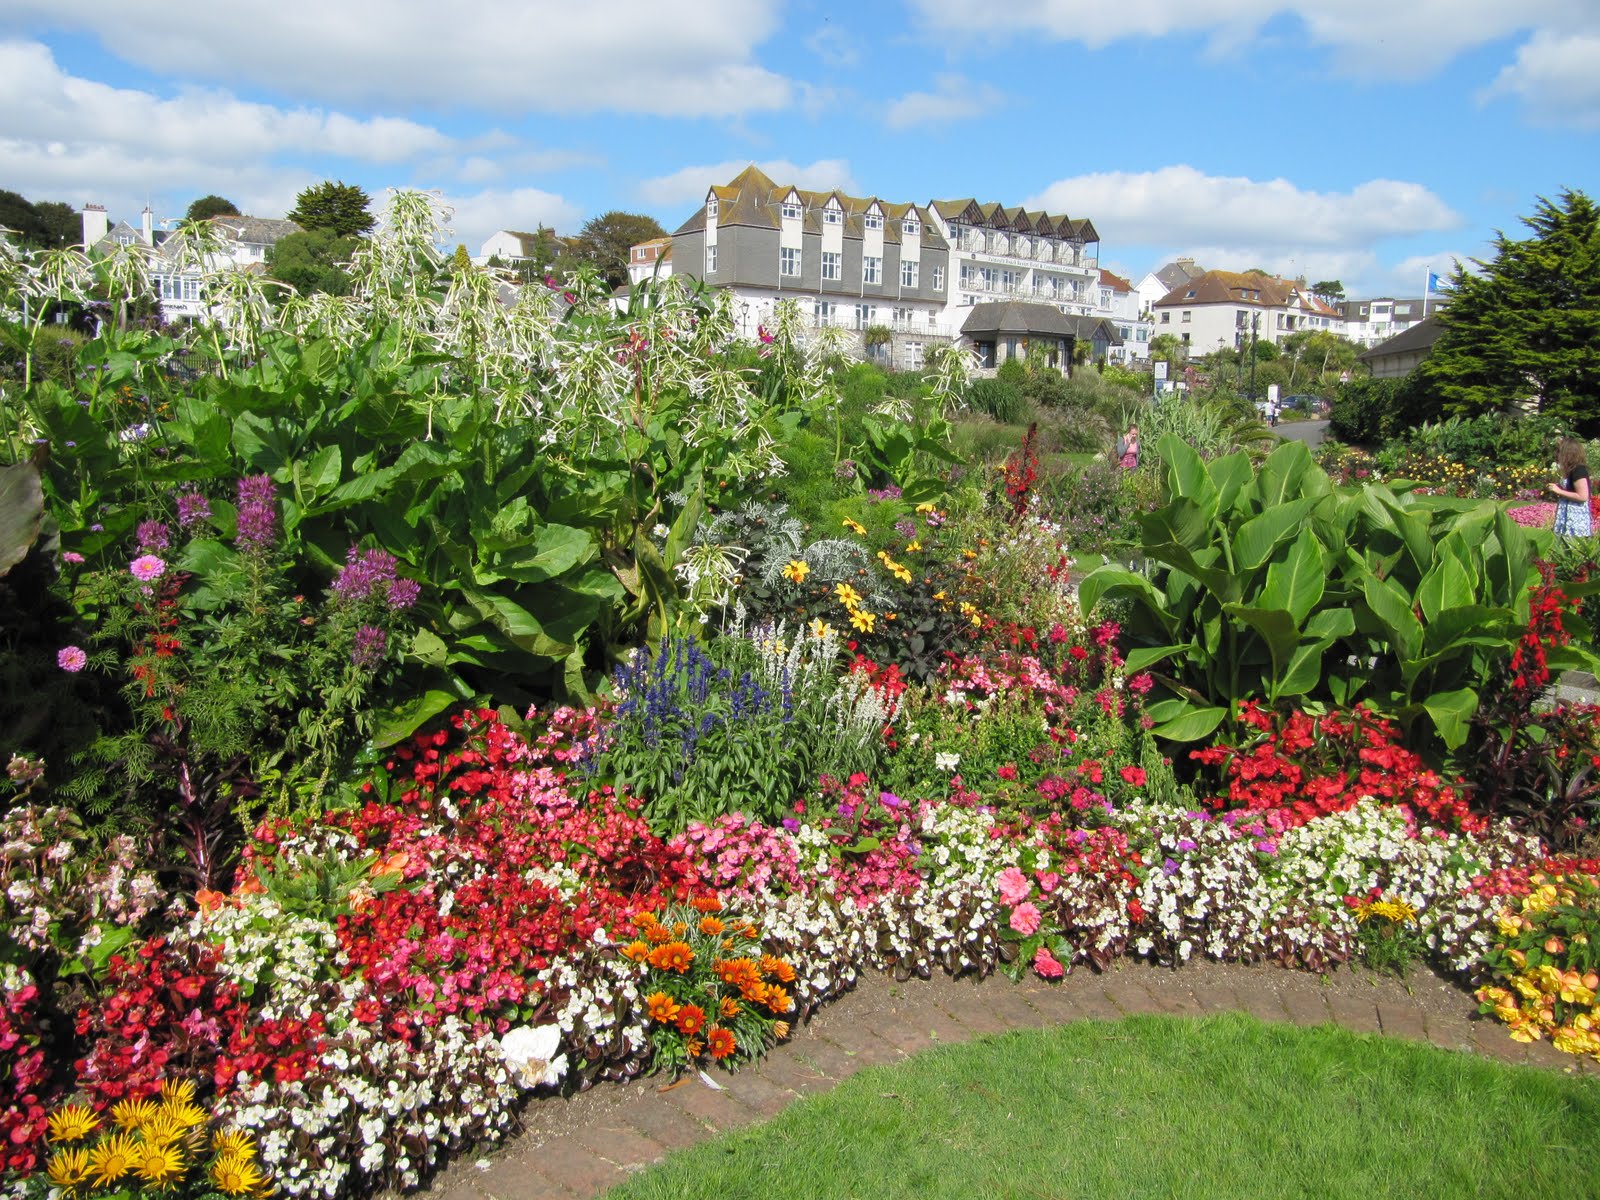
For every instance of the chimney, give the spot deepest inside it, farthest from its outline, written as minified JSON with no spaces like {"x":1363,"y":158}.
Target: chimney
{"x":95,"y":225}
{"x":147,"y":227}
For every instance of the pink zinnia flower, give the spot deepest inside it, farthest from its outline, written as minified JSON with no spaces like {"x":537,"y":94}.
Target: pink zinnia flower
{"x":1048,"y":966}
{"x":72,"y":659}
{"x":1025,"y":919}
{"x":1014,"y":886}
{"x":147,"y":567}
{"x":71,"y":556}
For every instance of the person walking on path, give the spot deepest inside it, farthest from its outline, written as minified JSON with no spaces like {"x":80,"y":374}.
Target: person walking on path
{"x":1128,"y":449}
{"x":1572,"y":503}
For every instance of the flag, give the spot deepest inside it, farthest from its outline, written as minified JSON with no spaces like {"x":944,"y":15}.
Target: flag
{"x":1433,"y":283}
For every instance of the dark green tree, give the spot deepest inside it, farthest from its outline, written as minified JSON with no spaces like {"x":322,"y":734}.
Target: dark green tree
{"x":1328,"y":289}
{"x":341,"y":207}
{"x":1528,"y":325}
{"x":312,"y":261}
{"x":604,"y":242}
{"x":207,"y":207}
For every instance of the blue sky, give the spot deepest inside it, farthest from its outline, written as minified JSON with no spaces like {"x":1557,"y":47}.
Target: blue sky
{"x":1356,"y":139}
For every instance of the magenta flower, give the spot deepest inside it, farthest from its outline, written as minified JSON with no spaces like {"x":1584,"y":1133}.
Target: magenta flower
{"x":1014,"y":886}
{"x":153,"y":535}
{"x":403,"y":594}
{"x":71,"y":556}
{"x":367,"y":650}
{"x":147,"y":567}
{"x":1025,"y":919}
{"x":365,"y":574}
{"x":258,"y":513}
{"x":1048,"y":966}
{"x":72,"y":659}
{"x":192,"y":509}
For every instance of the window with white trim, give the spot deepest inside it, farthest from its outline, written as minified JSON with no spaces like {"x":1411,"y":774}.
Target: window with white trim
{"x":789,"y":260}
{"x":908,"y":273}
{"x":832,"y":215}
{"x":791,"y":212}
{"x":873,"y":221}
{"x":830,"y":265}
{"x":825,"y":312}
{"x":910,"y":227}
{"x":871,"y":269}
{"x":938,"y":279}
{"x":711,"y":260}
{"x":711,"y":207}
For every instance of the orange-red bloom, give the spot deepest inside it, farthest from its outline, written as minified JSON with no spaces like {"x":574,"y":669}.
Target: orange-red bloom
{"x":636,"y":951}
{"x":777,"y":968}
{"x":711,"y":926}
{"x":662,"y":1007}
{"x":722,"y":1042}
{"x":672,"y":956}
{"x":777,"y":999}
{"x":691,"y":1018}
{"x":707,"y":904}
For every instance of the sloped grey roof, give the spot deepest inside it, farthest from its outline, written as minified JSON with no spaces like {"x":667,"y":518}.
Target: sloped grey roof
{"x":1016,"y":316}
{"x":259,"y":231}
{"x":1420,"y":336}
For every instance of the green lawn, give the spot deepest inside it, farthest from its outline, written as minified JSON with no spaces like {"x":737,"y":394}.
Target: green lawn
{"x":1164,"y":1106}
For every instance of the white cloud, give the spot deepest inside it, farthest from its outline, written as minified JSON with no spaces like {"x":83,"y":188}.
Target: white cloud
{"x":477,"y":216}
{"x":1558,"y":77}
{"x":956,"y":98}
{"x":1368,"y":36}
{"x":637,"y":56}
{"x":834,"y":46}
{"x":1181,"y":205}
{"x":40,"y":102}
{"x":689,"y":185}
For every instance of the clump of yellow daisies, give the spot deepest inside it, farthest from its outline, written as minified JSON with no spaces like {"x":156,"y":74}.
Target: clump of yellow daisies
{"x":146,"y":1147}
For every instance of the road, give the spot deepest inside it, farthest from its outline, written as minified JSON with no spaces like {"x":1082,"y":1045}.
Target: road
{"x":1309,"y":432}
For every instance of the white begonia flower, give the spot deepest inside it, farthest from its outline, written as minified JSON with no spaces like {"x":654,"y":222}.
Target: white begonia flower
{"x":530,"y":1052}
{"x":945,"y":761}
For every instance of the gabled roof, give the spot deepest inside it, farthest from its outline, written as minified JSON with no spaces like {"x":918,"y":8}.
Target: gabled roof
{"x":1420,"y":336}
{"x":1181,"y":271}
{"x":753,"y":200}
{"x":1228,"y":287}
{"x":1016,"y":316}
{"x":257,"y":231}
{"x":1115,"y":282}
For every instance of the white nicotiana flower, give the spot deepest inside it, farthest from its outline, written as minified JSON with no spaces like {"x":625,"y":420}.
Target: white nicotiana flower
{"x":530,"y":1052}
{"x":945,"y":761}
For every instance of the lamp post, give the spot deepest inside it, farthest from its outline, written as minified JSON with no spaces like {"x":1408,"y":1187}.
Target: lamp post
{"x":1255,"y":325}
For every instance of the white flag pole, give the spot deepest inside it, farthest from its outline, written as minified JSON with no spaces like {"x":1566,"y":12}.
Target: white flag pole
{"x":1427,"y":288}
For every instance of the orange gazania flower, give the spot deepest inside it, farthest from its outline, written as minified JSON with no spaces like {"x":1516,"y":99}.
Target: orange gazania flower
{"x":662,"y":1007}
{"x":711,"y":926}
{"x":679,"y":929}
{"x":707,"y":904}
{"x":658,"y":933}
{"x":777,"y":968}
{"x":780,"y":1029}
{"x":731,"y":1008}
{"x":748,"y":930}
{"x":777,"y":999}
{"x":636,"y":951}
{"x":672,"y":956}
{"x":694,"y":1048}
{"x":722,"y":1042}
{"x":735,"y":971}
{"x":691,"y":1018}
{"x":209,"y":901}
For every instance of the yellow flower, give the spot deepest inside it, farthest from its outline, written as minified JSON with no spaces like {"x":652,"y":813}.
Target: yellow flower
{"x":913,"y":545}
{"x":69,"y":1168}
{"x":161,"y":1165}
{"x":233,"y":1141}
{"x":821,"y":629}
{"x":925,"y":507}
{"x":133,"y":1114}
{"x":235,"y":1175}
{"x":863,"y":620}
{"x":940,"y":596}
{"x":165,"y":1128}
{"x":855,"y":527}
{"x":177,"y":1091}
{"x":848,"y":596}
{"x":71,"y":1122}
{"x":114,"y":1157}
{"x":796,"y":571}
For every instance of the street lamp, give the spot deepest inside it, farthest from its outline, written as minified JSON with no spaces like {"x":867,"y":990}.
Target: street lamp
{"x":1255,"y":326}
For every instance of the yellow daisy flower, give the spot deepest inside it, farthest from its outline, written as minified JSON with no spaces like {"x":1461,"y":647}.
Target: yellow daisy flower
{"x":177,"y":1091}
{"x":796,"y":571}
{"x":72,"y":1122}
{"x":848,"y":596}
{"x":69,"y":1168}
{"x":161,"y":1165}
{"x":862,"y":620}
{"x":114,"y":1157}
{"x":913,"y":545}
{"x":189,"y":1114}
{"x":820,"y":628}
{"x":855,"y":527}
{"x":132,"y":1114}
{"x":233,"y":1141}
{"x":235,"y":1175}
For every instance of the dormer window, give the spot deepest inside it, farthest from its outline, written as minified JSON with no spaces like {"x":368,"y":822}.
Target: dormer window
{"x":791,"y":211}
{"x":910,"y":228}
{"x":874,"y":220}
{"x":711,"y":207}
{"x":832,"y":216}
{"x":1189,"y":295}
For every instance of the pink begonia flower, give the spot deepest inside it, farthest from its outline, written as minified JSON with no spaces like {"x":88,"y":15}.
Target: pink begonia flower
{"x":1049,"y":882}
{"x":1025,"y":919}
{"x":1014,"y":886}
{"x":1048,"y":966}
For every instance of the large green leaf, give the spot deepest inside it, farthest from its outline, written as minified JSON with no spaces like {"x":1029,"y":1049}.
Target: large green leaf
{"x":1186,"y":472}
{"x":401,"y":722}
{"x":1303,"y":672}
{"x":1145,"y":657}
{"x":1232,"y":474}
{"x":21,"y":512}
{"x":551,"y":552}
{"x":1284,"y":475}
{"x":1277,"y":628}
{"x":1447,"y":585}
{"x":1388,"y":602}
{"x":1192,"y":724}
{"x":1112,"y":580}
{"x":1452,"y":714}
{"x":1258,"y":537}
{"x":1296,"y":582}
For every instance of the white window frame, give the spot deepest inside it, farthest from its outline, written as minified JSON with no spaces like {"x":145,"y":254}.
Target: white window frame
{"x":832,"y":215}
{"x":938,"y":279}
{"x":910,"y":227}
{"x":790,"y":211}
{"x":871,"y":269}
{"x":873,"y":221}
{"x":711,"y":207}
{"x":789,"y":256}
{"x":908,"y":272}
{"x":711,"y":260}
{"x":832,"y":266}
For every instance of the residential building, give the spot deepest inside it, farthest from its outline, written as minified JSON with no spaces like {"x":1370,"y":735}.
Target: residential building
{"x":1158,"y":283}
{"x":1374,"y":321}
{"x":650,"y":259}
{"x":245,"y":242}
{"x":514,"y":247}
{"x":1402,"y":354}
{"x":1226,"y":308}
{"x":914,"y":271}
{"x":1118,"y":302}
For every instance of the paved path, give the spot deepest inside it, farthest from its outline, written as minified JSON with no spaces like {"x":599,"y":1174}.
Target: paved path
{"x":575,"y":1149}
{"x":1309,"y":432}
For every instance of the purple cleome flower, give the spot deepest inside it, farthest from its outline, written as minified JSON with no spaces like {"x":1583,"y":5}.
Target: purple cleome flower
{"x":365,"y":574}
{"x":403,"y":594}
{"x":367,"y":650}
{"x":153,"y":535}
{"x":192,"y":509}
{"x":258,"y":514}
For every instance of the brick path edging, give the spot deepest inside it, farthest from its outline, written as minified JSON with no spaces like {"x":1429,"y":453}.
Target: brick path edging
{"x":579,"y":1148}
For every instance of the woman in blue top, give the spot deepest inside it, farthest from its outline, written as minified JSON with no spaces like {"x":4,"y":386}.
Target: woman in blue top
{"x":1572,"y":493}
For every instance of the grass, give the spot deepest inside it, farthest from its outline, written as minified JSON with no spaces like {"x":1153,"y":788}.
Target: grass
{"x":1221,"y":1107}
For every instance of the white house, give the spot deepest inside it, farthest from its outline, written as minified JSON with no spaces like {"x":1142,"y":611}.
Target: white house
{"x":1226,"y":308}
{"x":1155,"y":285}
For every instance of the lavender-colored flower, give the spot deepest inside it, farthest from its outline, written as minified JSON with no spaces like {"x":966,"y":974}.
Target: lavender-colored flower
{"x":364,"y":575}
{"x":136,"y":433}
{"x":258,"y":513}
{"x":147,"y":567}
{"x":192,"y":509}
{"x":71,"y":659}
{"x":367,"y":650}
{"x":845,"y":470}
{"x":905,"y":528}
{"x":153,"y":535}
{"x":1169,"y":868}
{"x":1187,"y":844}
{"x":403,"y":594}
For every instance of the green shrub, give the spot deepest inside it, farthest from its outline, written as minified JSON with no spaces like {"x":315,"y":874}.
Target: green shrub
{"x":1013,"y":371}
{"x":1000,"y":399}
